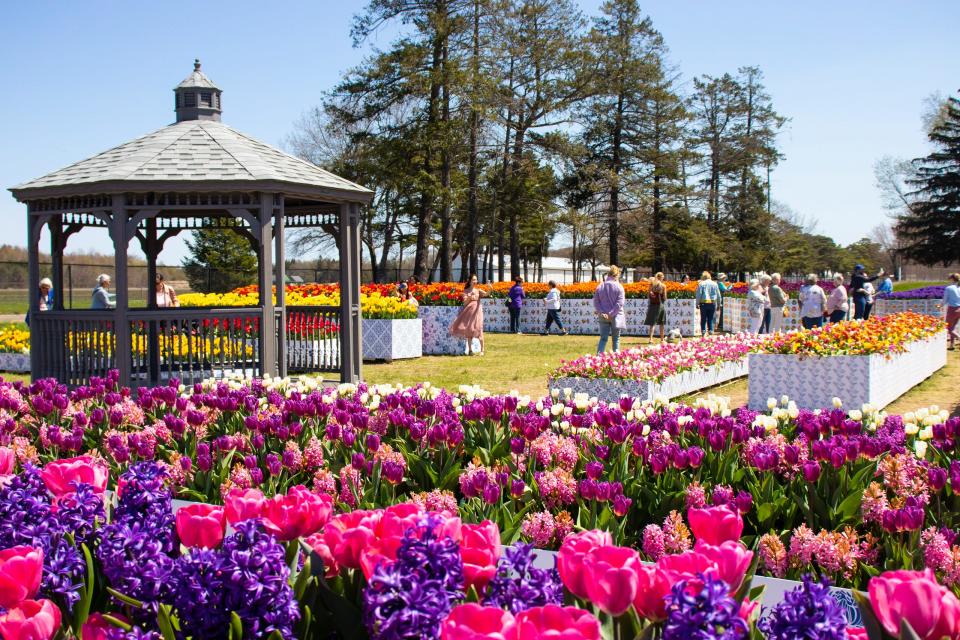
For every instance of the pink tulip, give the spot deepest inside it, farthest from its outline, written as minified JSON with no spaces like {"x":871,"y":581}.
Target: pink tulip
{"x":7,"y":461}
{"x":749,"y":610}
{"x":715,"y":525}
{"x":554,"y":623}
{"x":62,"y":476}
{"x":298,"y":514}
{"x":30,"y":620}
{"x":474,"y":622}
{"x":21,"y":569}
{"x":857,"y":633}
{"x":379,"y":551}
{"x":570,"y":558}
{"x":610,"y":574}
{"x":348,"y":534}
{"x":201,"y":525}
{"x":653,"y":585}
{"x":97,"y":627}
{"x":330,"y":567}
{"x":480,"y":550}
{"x":732,"y":559}
{"x":243,"y":504}
{"x":915,"y":596}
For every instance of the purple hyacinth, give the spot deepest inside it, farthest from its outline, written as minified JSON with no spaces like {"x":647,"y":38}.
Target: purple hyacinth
{"x":710,"y":614}
{"x":519,"y":586}
{"x":145,"y":503}
{"x":807,"y":612}
{"x":411,"y":597}
{"x":81,"y":513}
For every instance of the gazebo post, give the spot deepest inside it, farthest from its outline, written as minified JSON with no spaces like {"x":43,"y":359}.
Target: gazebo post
{"x":268,"y":327}
{"x":350,"y":337}
{"x":121,"y":324}
{"x":281,"y":278}
{"x":57,"y":245}
{"x":33,"y":282}
{"x":153,"y":337}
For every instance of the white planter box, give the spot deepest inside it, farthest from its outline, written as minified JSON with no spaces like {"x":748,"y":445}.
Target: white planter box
{"x":15,"y":362}
{"x":313,"y":354}
{"x":813,"y":382}
{"x":437,"y":341}
{"x":737,"y":320}
{"x":392,"y":339}
{"x":883,"y":307}
{"x":608,"y":390}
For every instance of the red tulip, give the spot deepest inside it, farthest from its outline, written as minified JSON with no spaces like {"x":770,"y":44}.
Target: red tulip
{"x":653,"y":585}
{"x":732,"y":559}
{"x":297,"y":514}
{"x":915,"y":596}
{"x":30,"y":620}
{"x":348,"y":534}
{"x":243,"y":504}
{"x":715,"y":525}
{"x":201,"y":525}
{"x":474,"y":622}
{"x":7,"y":460}
{"x":61,"y":476}
{"x":570,"y":558}
{"x":21,"y":569}
{"x":480,"y":550}
{"x":555,"y":623}
{"x":610,"y":575}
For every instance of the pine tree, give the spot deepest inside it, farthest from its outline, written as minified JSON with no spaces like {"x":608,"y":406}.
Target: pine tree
{"x":220,"y":260}
{"x":930,"y":229}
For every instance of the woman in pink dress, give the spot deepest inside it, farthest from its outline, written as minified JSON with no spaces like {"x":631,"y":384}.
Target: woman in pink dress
{"x":469,"y":322}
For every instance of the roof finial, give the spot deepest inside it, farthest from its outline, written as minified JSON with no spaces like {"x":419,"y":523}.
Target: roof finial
{"x":196,"y":64}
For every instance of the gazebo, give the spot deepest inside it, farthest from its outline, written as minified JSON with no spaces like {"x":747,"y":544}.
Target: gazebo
{"x":196,"y":173}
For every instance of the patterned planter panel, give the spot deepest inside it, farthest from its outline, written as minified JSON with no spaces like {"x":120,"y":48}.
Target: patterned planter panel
{"x":578,"y":317}
{"x":813,"y":382}
{"x":607,"y":390}
{"x":16,"y":362}
{"x":392,"y":339}
{"x":436,"y":323}
{"x":737,"y":320}
{"x":926,"y":307}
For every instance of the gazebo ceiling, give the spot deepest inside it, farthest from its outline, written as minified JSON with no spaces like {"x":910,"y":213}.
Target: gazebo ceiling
{"x":194,"y":154}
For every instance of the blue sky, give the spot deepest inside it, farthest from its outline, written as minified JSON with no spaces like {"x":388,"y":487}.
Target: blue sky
{"x":80,"y":77}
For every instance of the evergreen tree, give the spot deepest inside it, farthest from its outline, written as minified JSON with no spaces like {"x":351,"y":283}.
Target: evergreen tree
{"x":220,"y":260}
{"x":930,"y":229}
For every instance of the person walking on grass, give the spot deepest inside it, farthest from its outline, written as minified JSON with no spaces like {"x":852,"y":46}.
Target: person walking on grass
{"x":552,"y":304}
{"x":813,"y":302}
{"x":656,"y":308}
{"x":608,"y":300}
{"x":778,"y":303}
{"x":755,"y":306}
{"x":469,"y":322}
{"x":837,"y":302}
{"x":951,"y":308}
{"x":516,"y":296}
{"x":707,"y":296}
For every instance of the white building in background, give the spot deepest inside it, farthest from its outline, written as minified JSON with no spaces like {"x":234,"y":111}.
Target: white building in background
{"x":554,"y":268}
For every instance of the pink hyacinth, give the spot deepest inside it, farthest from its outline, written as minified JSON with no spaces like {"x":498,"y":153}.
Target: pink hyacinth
{"x":696,"y":497}
{"x":539,"y":528}
{"x":676,"y":535}
{"x":653,"y":542}
{"x":773,"y":555}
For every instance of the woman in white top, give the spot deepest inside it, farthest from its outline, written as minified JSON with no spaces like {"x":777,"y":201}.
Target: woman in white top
{"x":755,"y":305}
{"x":166,"y":296}
{"x":837,"y":302}
{"x":552,"y":303}
{"x":812,"y":303}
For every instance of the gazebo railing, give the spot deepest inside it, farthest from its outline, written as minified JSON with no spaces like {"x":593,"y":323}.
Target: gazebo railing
{"x":72,"y":347}
{"x":192,"y":344}
{"x":312,"y":339}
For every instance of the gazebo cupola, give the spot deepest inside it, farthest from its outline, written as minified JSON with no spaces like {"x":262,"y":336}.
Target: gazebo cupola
{"x":197,"y":98}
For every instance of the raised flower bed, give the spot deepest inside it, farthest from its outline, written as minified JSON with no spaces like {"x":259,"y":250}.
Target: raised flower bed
{"x":392,"y":339}
{"x":872,"y":362}
{"x":657,"y":371}
{"x":14,"y":348}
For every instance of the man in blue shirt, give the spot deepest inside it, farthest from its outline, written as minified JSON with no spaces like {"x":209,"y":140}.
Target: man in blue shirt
{"x":886,"y":286}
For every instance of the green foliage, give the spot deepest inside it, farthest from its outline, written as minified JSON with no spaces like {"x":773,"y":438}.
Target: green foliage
{"x":220,"y":260}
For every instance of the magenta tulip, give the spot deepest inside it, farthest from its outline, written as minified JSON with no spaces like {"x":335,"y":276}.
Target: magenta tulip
{"x":98,"y":628}
{"x":21,"y":569}
{"x":554,"y":623}
{"x":243,"y":504}
{"x":715,"y":525}
{"x":30,"y":620}
{"x":347,"y":535}
{"x":653,"y":585}
{"x":298,"y":514}
{"x":732,"y":559}
{"x":7,"y":461}
{"x":570,"y":558}
{"x":916,"y":597}
{"x":62,"y":476}
{"x":480,"y":550}
{"x":474,"y":622}
{"x":201,"y":525}
{"x":610,"y":574}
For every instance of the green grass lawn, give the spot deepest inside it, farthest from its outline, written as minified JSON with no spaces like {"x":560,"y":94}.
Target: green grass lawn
{"x":916,"y":284}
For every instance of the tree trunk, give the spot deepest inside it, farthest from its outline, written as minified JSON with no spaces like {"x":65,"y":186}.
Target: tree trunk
{"x":615,"y":185}
{"x":425,"y":214}
{"x":658,"y":257}
{"x":446,"y":226}
{"x":472,"y":218}
{"x":513,"y":205}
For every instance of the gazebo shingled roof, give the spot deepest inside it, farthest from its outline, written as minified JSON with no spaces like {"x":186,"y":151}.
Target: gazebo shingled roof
{"x":192,"y":174}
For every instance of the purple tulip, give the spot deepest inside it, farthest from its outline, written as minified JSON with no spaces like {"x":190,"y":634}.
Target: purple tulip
{"x":810,"y":470}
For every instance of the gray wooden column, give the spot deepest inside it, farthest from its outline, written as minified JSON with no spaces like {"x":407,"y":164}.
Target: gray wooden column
{"x":57,"y":244}
{"x":33,"y":285}
{"x":152,"y":250}
{"x":351,"y":354}
{"x":268,"y":326}
{"x":121,"y":323}
{"x":281,"y":277}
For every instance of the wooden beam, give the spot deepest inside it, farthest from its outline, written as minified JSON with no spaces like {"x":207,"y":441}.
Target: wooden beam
{"x":268,"y":327}
{"x":121,"y":326}
{"x":350,"y":339}
{"x":281,"y":280}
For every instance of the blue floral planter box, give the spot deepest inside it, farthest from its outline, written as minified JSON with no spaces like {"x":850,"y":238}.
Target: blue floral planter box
{"x":813,"y":382}
{"x":15,"y":362}
{"x":392,"y":339}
